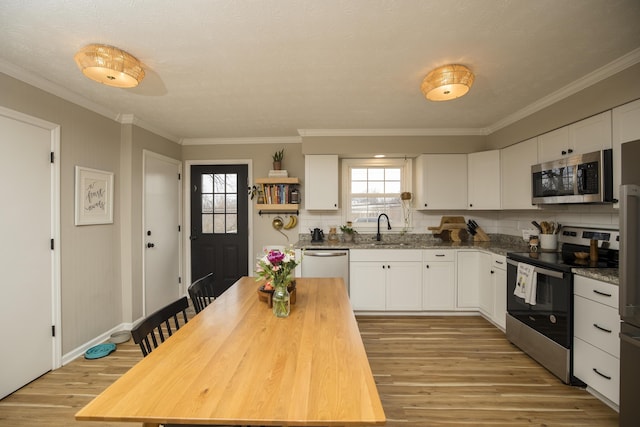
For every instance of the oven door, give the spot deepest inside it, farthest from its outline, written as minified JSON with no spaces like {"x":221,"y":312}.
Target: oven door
{"x":550,"y":315}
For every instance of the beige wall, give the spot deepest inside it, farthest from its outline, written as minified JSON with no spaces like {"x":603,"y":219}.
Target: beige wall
{"x":619,"y":89}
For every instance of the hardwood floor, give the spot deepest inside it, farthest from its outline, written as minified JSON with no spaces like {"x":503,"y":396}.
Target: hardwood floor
{"x":430,"y":371}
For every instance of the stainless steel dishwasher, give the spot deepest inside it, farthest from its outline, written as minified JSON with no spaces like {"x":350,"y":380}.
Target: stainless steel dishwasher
{"x":326,"y":263}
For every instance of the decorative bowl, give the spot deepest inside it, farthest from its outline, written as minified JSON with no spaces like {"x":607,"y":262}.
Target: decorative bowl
{"x":120,"y":337}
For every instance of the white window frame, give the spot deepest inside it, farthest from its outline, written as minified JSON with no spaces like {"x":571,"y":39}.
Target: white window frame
{"x":405,"y":186}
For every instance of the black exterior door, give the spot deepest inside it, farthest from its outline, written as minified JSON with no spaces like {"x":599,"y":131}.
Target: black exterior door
{"x":219,"y":222}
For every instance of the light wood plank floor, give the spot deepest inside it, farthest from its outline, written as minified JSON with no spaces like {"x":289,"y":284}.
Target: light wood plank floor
{"x":430,"y":371}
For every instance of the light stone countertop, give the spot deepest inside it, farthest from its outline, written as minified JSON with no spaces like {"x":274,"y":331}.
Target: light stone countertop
{"x":608,"y":275}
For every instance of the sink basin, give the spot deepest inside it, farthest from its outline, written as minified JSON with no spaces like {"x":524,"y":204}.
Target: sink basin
{"x":387,"y":244}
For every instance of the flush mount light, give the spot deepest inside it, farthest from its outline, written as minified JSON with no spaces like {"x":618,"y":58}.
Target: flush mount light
{"x":379,"y":156}
{"x":447,"y":82}
{"x":109,"y":65}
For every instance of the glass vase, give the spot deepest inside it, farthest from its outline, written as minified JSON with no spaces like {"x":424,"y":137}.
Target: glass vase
{"x":281,"y":301}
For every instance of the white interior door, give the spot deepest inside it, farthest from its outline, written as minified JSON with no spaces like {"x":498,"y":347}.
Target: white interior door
{"x":27,"y":223}
{"x":161,"y":231}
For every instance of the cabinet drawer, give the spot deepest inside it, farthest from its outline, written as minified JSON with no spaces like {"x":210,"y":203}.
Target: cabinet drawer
{"x":439,"y":255}
{"x":595,"y":290}
{"x":597,"y":324}
{"x":499,"y":261}
{"x":385,"y":255}
{"x":598,"y":369}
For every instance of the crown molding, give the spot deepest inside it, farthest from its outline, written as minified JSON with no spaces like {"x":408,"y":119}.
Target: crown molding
{"x":228,"y":141}
{"x":130,"y":119}
{"x":606,"y":71}
{"x":54,"y":89}
{"x":392,"y":132}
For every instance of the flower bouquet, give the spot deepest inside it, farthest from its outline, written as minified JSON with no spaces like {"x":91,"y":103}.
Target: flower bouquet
{"x":276,"y":269}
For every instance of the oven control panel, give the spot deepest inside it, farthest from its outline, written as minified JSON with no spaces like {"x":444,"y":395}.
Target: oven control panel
{"x":609,"y":239}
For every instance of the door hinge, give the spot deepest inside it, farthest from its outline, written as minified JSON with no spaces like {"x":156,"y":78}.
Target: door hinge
{"x":179,"y":177}
{"x":179,"y":279}
{"x":52,"y":156}
{"x":52,"y":246}
{"x":53,"y":330}
{"x":179,"y":229}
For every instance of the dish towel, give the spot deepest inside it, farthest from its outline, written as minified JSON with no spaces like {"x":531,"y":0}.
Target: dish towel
{"x":526,"y":279}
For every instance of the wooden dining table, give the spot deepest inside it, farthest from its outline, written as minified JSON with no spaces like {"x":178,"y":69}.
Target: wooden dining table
{"x":236,"y":363}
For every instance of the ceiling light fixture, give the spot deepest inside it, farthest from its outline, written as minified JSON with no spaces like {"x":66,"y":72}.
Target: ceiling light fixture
{"x":109,"y":65}
{"x":447,"y":82}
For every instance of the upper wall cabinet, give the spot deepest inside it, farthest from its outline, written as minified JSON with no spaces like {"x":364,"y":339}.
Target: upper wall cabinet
{"x":441,"y":181}
{"x":516,"y":161}
{"x":484,"y":180}
{"x":585,"y":136}
{"x":321,"y":182}
{"x":626,"y":127}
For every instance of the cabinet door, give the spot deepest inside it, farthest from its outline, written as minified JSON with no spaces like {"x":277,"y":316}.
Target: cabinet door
{"x":367,"y":286}
{"x":321,"y":182}
{"x":516,"y":162}
{"x":438,"y":286}
{"x":404,"y":285}
{"x":500,"y":286}
{"x":484,"y":180}
{"x":626,"y":127}
{"x":441,"y":181}
{"x":591,"y":134}
{"x":553,"y":145}
{"x":486,"y":286}
{"x":468,"y":281}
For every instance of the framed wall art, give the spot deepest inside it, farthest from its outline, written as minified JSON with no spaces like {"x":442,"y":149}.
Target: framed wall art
{"x":94,"y":196}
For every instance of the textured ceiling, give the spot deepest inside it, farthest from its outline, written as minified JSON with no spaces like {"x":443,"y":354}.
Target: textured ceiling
{"x":269,"y":68}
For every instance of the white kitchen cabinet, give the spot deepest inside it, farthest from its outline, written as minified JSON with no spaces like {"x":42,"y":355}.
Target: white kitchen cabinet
{"x":585,"y":136}
{"x":486,"y":286}
{"x":441,"y":181}
{"x":382,"y":279}
{"x":439,"y":280}
{"x":626,"y":127}
{"x":515,"y":162}
{"x":468,"y":268}
{"x":483,"y":180}
{"x":321,"y":182}
{"x":596,"y":342}
{"x":499,"y":277}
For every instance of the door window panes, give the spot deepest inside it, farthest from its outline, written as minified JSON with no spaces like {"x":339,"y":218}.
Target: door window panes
{"x":219,"y":203}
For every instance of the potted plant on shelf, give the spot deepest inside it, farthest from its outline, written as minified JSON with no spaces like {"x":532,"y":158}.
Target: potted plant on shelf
{"x":347,"y":233}
{"x":277,"y":159}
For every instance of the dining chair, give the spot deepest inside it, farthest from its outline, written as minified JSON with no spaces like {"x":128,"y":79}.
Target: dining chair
{"x":150,"y":333}
{"x":201,"y":292}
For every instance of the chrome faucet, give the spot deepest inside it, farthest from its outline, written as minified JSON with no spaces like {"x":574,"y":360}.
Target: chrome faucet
{"x":378,"y":236}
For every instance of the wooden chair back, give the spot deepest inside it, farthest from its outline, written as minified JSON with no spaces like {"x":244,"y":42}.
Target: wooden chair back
{"x":201,"y":292}
{"x":150,"y":333}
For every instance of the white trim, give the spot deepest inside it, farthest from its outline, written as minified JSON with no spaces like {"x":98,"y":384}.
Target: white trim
{"x":239,"y":141}
{"x":130,"y":119}
{"x":80,"y":350}
{"x":56,"y":293}
{"x":145,"y":155}
{"x":393,"y":132}
{"x":187,"y":210}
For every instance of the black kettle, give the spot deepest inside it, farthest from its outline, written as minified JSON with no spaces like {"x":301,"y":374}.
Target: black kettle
{"x":317,"y":235}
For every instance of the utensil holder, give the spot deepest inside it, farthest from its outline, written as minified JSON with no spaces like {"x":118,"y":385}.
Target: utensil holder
{"x":548,"y":241}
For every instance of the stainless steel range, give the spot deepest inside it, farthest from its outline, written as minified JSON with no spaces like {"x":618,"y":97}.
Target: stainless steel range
{"x":544,"y":330}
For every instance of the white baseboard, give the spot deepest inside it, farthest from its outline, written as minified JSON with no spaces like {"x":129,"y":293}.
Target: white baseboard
{"x":79,"y":351}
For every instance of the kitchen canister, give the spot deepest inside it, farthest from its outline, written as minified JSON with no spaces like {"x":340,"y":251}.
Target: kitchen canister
{"x":548,"y":241}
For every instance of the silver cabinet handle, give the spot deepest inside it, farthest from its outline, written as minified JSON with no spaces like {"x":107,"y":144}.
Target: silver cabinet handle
{"x":324,"y":254}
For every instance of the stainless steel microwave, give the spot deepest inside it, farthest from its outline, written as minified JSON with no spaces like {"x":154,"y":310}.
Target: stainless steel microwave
{"x":583,"y":178}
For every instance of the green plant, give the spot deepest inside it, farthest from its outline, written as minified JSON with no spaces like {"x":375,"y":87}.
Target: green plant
{"x":347,"y":230}
{"x":278,"y":156}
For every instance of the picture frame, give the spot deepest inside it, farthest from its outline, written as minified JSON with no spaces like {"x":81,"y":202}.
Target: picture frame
{"x":94,"y":196}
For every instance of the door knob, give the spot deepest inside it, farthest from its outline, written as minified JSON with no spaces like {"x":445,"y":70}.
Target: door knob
{"x":150,"y":245}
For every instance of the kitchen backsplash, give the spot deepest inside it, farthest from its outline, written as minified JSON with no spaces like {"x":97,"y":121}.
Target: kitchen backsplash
{"x":495,"y":222}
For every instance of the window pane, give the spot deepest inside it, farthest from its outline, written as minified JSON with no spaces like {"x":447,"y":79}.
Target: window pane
{"x":207,"y":183}
{"x":232,"y":203}
{"x":392,"y":174}
{"x":376,"y":187}
{"x":392,"y":187}
{"x":377,"y":174}
{"x":207,"y":203}
{"x":232,"y":183}
{"x":218,"y":183}
{"x":359,"y":187}
{"x":219,"y":206}
{"x":358,"y":174}
{"x":232,"y":223}
{"x":218,"y":224}
{"x":207,"y":224}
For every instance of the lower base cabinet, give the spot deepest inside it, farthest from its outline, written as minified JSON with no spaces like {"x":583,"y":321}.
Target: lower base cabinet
{"x":439,"y":280}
